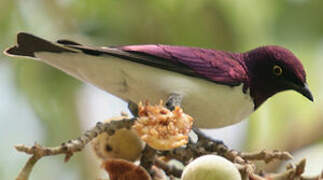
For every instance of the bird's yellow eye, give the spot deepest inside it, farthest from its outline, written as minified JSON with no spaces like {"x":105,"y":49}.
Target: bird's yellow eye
{"x":277,"y":70}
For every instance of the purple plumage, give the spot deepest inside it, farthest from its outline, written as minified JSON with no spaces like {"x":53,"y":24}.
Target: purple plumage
{"x":219,"y":66}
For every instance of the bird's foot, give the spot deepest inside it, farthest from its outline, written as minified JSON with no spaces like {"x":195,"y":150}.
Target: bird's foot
{"x":174,"y":100}
{"x":133,"y":108}
{"x":202,"y":135}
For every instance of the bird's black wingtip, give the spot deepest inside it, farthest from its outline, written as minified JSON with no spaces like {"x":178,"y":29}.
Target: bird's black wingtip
{"x":22,"y":46}
{"x":10,"y":51}
{"x":28,"y":44}
{"x":68,"y":42}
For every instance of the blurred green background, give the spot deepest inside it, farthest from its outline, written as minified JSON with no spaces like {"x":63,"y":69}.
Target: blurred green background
{"x":40,"y":103}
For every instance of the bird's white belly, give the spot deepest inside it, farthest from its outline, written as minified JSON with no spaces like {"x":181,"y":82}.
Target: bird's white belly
{"x":211,"y":105}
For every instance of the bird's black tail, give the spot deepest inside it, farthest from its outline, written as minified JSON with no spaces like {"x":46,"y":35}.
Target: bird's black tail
{"x":28,"y":44}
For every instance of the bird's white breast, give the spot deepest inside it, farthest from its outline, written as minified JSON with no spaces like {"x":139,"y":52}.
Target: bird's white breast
{"x":211,"y":105}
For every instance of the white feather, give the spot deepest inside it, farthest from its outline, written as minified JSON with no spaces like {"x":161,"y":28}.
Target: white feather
{"x":211,"y":105}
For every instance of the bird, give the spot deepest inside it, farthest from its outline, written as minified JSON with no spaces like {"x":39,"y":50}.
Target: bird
{"x":217,"y":88}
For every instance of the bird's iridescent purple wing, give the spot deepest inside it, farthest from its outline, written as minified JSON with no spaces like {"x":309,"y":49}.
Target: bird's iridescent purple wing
{"x":218,"y":66}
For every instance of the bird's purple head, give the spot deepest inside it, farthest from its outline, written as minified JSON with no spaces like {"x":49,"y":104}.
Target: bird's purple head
{"x":272,"y":69}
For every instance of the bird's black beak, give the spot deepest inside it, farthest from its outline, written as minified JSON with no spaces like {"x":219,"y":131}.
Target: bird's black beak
{"x":305,"y":91}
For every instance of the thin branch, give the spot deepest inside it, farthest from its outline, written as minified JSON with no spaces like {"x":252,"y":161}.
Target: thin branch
{"x":148,"y":157}
{"x":169,"y":169}
{"x":266,"y":156}
{"x":25,"y":172}
{"x":69,"y":147}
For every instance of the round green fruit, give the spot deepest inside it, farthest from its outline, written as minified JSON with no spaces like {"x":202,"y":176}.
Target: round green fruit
{"x":210,"y":167}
